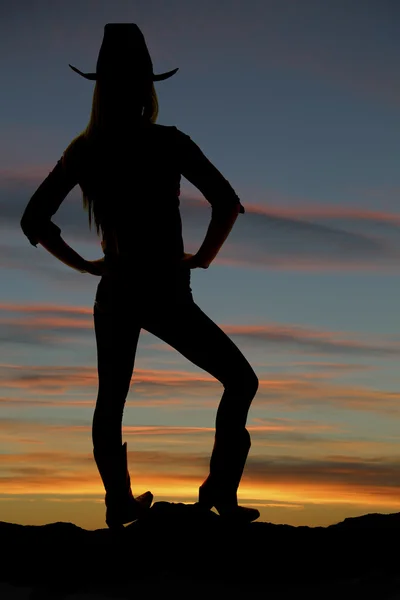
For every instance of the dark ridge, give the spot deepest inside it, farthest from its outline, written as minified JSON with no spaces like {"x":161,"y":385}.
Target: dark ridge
{"x":178,"y":549}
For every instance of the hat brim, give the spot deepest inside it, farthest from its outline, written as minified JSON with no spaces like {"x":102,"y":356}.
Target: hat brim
{"x":93,"y":76}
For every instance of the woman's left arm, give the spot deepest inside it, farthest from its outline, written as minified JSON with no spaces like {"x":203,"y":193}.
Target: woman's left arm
{"x":60,"y":249}
{"x":36,"y":220}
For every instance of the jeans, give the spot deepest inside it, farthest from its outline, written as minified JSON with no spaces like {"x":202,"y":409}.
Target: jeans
{"x":163,"y":306}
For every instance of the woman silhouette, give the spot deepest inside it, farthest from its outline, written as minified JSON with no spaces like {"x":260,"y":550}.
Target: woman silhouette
{"x":129,"y":170}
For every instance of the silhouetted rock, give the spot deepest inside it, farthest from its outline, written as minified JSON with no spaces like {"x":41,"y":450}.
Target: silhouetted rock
{"x":372,"y":521}
{"x":178,"y":546}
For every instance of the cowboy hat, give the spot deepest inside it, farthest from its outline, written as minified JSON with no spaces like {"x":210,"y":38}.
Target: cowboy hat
{"x":124,"y":52}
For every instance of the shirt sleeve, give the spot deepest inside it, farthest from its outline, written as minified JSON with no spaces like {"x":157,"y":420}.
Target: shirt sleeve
{"x":36,"y":219}
{"x":200,"y":171}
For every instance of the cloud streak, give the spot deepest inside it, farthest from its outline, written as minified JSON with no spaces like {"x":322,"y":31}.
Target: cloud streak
{"x":77,"y":386}
{"x":300,"y":238}
{"x":313,"y":341}
{"x":331,"y":479}
{"x":52,"y":325}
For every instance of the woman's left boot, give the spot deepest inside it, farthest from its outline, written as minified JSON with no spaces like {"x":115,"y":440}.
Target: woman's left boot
{"x":219,"y":490}
{"x":121,"y":506}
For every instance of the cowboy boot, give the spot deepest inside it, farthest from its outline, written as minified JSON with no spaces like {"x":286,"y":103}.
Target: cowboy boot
{"x":121,"y":506}
{"x":219,"y":490}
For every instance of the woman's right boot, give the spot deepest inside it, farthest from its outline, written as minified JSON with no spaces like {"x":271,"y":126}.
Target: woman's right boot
{"x":121,"y":506}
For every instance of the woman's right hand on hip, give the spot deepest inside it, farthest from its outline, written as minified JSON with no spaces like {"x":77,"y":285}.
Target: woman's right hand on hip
{"x":191,"y":261}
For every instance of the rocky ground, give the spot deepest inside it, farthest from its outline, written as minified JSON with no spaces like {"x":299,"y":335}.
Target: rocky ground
{"x":181,"y":552}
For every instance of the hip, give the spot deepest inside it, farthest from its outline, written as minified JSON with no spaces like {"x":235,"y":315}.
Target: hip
{"x":127,"y":289}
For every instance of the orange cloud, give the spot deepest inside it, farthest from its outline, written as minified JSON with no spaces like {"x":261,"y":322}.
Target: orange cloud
{"x":41,"y":384}
{"x":316,"y":341}
{"x":74,"y":319}
{"x":332,"y":479}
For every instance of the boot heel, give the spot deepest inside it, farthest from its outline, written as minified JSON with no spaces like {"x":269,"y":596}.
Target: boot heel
{"x":114,"y":526}
{"x":227,"y":510}
{"x":205,"y":499}
{"x":219,"y":490}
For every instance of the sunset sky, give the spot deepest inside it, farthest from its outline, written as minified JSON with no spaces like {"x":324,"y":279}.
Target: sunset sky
{"x":298,"y":105}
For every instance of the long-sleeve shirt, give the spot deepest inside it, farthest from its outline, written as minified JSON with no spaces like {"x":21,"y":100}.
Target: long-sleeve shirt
{"x":143,"y":179}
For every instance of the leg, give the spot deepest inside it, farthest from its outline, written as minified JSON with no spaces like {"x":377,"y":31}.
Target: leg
{"x":116,"y":340}
{"x":190,"y":331}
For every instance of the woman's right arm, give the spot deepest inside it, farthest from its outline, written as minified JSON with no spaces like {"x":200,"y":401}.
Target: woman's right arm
{"x":218,"y":230}
{"x":225,"y":203}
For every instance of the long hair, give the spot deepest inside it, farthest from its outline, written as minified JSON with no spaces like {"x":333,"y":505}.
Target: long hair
{"x":101,"y":125}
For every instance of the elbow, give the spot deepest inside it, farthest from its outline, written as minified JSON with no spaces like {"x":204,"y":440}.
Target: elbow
{"x":227,"y":210}
{"x":36,"y":230}
{"x":22,"y":224}
{"x":226,"y":204}
{"x":27,"y":230}
{"x":239,"y":208}
{"x":25,"y":223}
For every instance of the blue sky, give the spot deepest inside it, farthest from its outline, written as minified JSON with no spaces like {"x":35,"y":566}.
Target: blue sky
{"x":297,"y":104}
